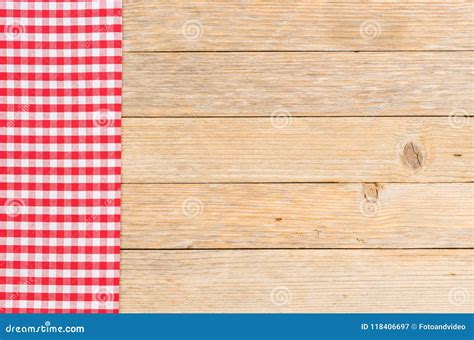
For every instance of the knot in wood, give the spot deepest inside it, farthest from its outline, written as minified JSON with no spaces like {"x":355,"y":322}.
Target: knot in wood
{"x":413,"y":156}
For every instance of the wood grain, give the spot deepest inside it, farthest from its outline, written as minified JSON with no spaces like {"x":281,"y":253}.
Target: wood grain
{"x":297,"y":150}
{"x":259,"y":25}
{"x":298,"y":216}
{"x":303,"y":84}
{"x":297,"y":281}
{"x":229,"y":145}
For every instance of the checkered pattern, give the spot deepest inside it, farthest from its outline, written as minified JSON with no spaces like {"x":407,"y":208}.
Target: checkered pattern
{"x":60,"y":103}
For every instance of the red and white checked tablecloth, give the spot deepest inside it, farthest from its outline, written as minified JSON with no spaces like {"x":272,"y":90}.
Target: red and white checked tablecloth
{"x":60,"y":104}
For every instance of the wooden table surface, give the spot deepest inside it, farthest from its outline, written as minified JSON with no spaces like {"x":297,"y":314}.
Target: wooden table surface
{"x":298,"y":156}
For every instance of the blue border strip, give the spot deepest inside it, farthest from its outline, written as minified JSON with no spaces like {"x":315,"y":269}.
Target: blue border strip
{"x":237,"y":326}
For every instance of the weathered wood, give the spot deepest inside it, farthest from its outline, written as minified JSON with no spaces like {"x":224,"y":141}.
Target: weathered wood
{"x":409,"y":76}
{"x":323,"y":281}
{"x":257,"y":25}
{"x":302,"y":84}
{"x":298,"y":216}
{"x":286,"y":149}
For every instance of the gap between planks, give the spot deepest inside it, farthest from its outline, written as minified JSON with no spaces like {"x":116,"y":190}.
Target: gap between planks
{"x":299,"y":51}
{"x":282,"y":248}
{"x":295,"y":116}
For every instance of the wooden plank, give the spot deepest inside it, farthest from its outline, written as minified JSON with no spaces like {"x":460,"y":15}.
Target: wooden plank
{"x":257,"y":25}
{"x":302,"y":84}
{"x":298,"y":216}
{"x":286,"y":149}
{"x":325,"y":281}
